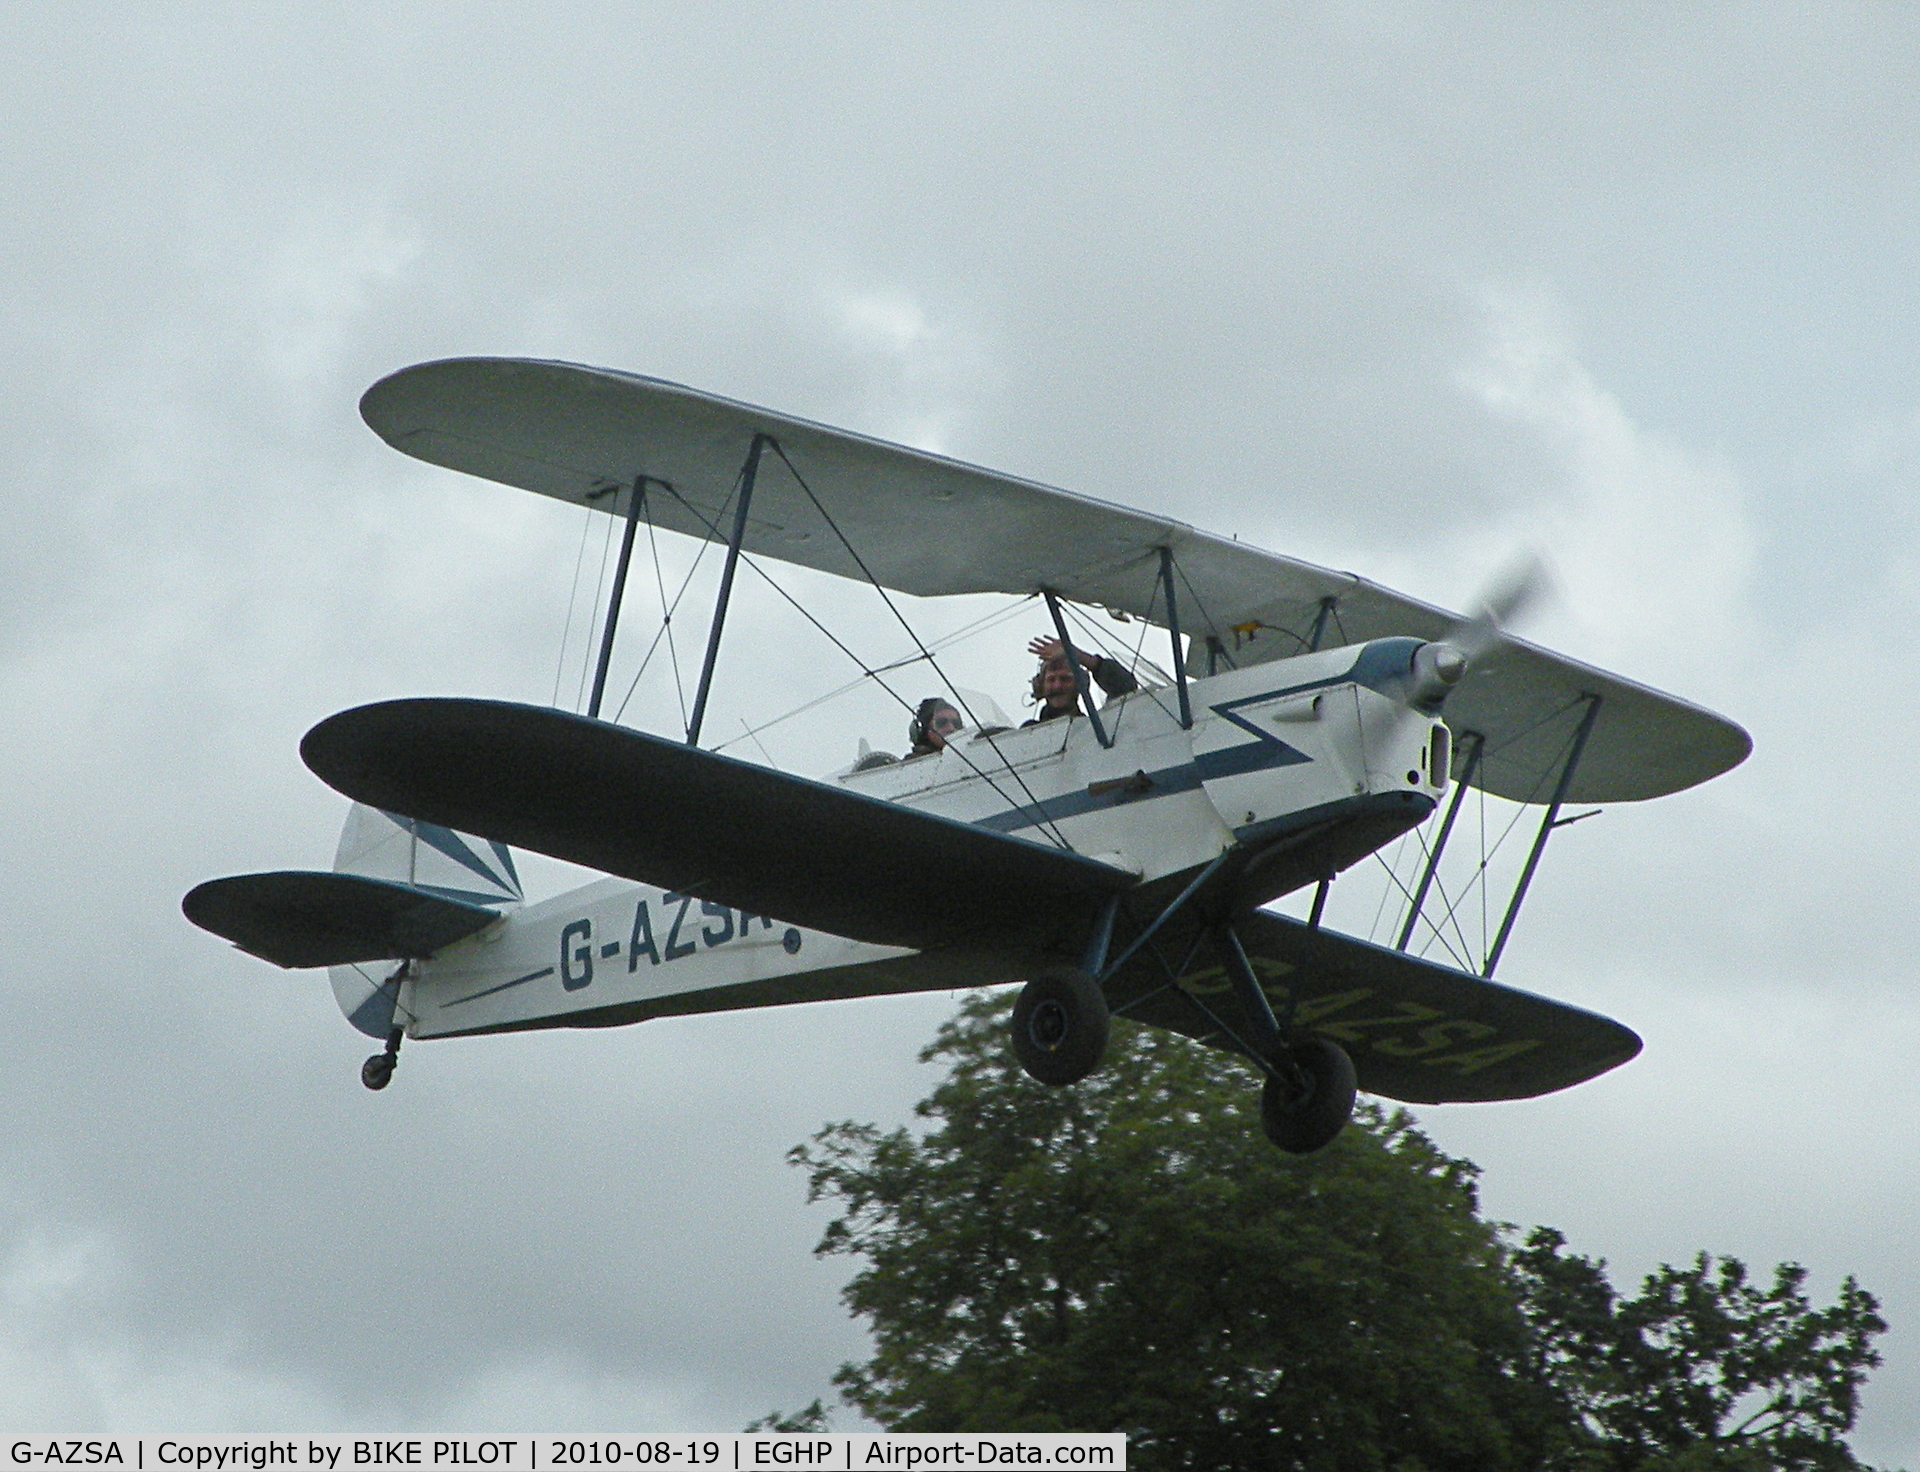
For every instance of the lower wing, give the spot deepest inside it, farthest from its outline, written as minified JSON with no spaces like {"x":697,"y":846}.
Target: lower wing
{"x":1417,"y":1031}
{"x":682,"y":818}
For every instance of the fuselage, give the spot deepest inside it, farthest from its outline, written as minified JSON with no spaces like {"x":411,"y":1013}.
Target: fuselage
{"x":1296,"y":768}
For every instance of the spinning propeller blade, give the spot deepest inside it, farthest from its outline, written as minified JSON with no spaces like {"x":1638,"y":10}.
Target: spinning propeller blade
{"x":1517,"y":587}
{"x":1441,"y":665}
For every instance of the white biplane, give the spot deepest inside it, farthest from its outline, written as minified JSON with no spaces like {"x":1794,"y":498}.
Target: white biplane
{"x":1114,"y":863}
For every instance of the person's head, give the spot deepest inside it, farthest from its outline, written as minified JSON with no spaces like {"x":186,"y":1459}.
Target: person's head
{"x":934,"y":720}
{"x":1053,"y":684}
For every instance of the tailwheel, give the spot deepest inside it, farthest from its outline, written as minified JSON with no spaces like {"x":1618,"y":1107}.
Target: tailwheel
{"x":1308,"y":1097}
{"x":377,"y":1072}
{"x":1060,"y":1027}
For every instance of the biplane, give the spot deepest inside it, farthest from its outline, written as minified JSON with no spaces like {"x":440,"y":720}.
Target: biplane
{"x":1116,"y":862}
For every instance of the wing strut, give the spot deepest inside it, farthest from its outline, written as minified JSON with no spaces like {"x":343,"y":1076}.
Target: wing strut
{"x":635,"y":503}
{"x":1327,"y":606}
{"x":1320,"y":893}
{"x":1173,"y":630}
{"x":1105,"y":973}
{"x":1547,"y":825}
{"x":1080,"y":681}
{"x":747,"y":474}
{"x":1440,"y":843}
{"x":1269,"y":1033}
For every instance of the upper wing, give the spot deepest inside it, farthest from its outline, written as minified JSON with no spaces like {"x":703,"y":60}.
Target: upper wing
{"x":682,"y":818}
{"x":1416,"y":1030}
{"x":927,"y":525}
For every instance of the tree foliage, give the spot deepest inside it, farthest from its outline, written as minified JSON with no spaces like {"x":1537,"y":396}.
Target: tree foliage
{"x":1704,"y":1368}
{"x":1131,"y":1254}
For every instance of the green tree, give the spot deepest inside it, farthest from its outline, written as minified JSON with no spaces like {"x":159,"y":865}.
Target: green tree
{"x":1130,"y":1254}
{"x":809,"y":1418}
{"x":1704,"y":1368}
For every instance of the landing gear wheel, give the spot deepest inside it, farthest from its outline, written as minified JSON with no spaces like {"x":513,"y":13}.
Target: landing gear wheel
{"x":1060,"y":1027}
{"x":377,"y":1072}
{"x":1308,"y":1097}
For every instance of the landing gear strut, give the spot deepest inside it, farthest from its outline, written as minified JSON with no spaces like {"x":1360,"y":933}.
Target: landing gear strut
{"x":1308,"y":1095}
{"x":377,"y":1072}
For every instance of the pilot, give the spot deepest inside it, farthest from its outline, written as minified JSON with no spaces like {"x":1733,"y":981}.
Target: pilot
{"x":1053,"y":684}
{"x":933,"y":722}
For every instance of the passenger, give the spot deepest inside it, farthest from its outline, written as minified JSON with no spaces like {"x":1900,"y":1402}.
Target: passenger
{"x":933,"y":722}
{"x":1053,"y":685}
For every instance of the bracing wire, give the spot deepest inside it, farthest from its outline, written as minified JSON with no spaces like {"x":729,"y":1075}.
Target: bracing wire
{"x":1406,"y":896}
{"x":1434,"y":929}
{"x":667,"y":611}
{"x":573,"y":599}
{"x":599,"y":592}
{"x":966,"y":631}
{"x":1373,"y":927}
{"x":1153,"y":598}
{"x":1451,"y":917}
{"x":666,"y":622}
{"x":878,"y":586}
{"x":1138,"y":656}
{"x":1033,"y":803}
{"x":664,"y":632}
{"x":1426,"y":857}
{"x":767,"y":578}
{"x":1481,"y":879}
{"x":746,"y":730}
{"x":1198,"y":602}
{"x":1484,"y":929}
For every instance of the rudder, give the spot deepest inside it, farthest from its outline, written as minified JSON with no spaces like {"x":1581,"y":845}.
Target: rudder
{"x":430,"y":860}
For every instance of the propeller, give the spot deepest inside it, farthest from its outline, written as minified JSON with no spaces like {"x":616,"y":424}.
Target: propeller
{"x":1441,"y":665}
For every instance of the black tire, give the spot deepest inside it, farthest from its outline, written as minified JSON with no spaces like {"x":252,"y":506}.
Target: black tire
{"x":1309,"y":1097}
{"x":377,"y":1072}
{"x":1060,"y":1027}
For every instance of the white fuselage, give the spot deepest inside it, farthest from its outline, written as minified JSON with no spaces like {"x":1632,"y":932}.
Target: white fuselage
{"x":1274,"y":750}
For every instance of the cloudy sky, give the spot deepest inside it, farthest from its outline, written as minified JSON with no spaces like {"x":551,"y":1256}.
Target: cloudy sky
{"x":1390,"y":287}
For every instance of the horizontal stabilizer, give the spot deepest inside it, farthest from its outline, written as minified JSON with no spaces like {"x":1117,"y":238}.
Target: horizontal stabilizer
{"x":299,"y":918}
{"x":1417,"y":1031}
{"x":682,"y":818}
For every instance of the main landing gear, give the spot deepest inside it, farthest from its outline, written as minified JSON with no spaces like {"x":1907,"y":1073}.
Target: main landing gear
{"x":1060,"y":1024}
{"x":1060,"y":1019}
{"x":377,"y":1072}
{"x":1308,"y":1095}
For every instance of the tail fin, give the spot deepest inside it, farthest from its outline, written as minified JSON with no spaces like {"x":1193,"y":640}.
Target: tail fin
{"x":429,"y":860}
{"x":426,"y":857}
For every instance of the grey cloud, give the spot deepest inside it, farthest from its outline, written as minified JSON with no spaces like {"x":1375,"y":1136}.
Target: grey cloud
{"x":1236,"y":267}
